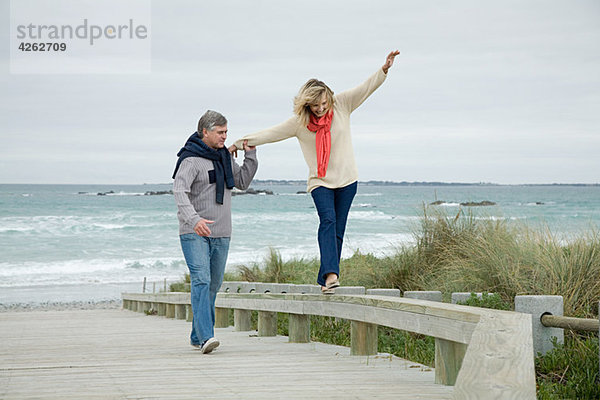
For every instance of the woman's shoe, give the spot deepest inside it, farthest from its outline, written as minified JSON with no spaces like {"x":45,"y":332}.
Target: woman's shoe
{"x":333,"y":284}
{"x":326,"y":290}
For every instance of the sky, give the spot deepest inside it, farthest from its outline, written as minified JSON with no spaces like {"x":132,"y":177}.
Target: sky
{"x":483,"y":91}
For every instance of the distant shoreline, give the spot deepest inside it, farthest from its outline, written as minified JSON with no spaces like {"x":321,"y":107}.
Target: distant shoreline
{"x":303,"y":182}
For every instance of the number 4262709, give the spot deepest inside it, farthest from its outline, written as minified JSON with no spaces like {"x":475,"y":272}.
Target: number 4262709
{"x":24,"y":46}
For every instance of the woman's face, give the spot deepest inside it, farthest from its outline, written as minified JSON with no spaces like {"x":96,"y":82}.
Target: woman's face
{"x":321,"y":107}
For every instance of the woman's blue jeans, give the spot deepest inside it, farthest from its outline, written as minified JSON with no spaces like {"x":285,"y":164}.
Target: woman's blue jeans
{"x":206,"y":258}
{"x":333,"y":206}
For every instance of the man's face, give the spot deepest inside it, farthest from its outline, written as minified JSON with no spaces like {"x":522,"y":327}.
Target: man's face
{"x":216,"y":137}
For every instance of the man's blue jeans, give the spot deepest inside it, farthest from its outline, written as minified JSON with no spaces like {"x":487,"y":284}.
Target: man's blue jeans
{"x":333,"y":206}
{"x":206,"y":258}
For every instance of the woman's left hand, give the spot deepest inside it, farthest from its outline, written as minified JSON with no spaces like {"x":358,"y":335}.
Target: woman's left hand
{"x":389,"y":61}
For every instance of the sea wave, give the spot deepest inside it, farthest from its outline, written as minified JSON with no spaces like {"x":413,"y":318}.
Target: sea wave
{"x":89,"y":271}
{"x":68,"y":225}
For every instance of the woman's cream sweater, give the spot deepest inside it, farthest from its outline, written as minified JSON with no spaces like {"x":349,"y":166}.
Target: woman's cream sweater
{"x":341,"y":170}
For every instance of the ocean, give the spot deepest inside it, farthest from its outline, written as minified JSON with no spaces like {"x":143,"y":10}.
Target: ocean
{"x":65,"y":243}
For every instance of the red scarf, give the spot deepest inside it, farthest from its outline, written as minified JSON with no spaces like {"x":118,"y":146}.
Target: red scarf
{"x":322,"y":127}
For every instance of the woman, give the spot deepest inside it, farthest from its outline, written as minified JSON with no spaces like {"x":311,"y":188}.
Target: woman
{"x":322,"y":126}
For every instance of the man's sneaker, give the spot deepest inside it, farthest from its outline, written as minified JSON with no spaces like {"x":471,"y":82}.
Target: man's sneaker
{"x":209,"y":345}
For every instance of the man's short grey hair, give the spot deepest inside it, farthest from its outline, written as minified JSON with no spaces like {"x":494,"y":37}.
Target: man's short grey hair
{"x":209,"y":120}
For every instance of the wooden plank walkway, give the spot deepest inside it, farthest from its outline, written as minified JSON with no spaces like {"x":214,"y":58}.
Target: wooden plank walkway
{"x":118,"y":354}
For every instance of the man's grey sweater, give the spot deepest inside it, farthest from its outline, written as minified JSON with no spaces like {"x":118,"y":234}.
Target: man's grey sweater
{"x":195,"y":194}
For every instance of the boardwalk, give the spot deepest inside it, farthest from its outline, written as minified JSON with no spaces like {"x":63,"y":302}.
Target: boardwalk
{"x":116,"y":354}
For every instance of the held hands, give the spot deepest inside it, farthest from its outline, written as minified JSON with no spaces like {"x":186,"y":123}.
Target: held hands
{"x":233,"y":148}
{"x":201,"y":227}
{"x":389,"y":61}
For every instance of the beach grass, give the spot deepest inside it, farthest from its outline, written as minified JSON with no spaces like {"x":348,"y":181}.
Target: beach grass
{"x":464,"y":253}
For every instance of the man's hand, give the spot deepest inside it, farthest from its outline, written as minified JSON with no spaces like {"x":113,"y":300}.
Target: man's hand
{"x":201,"y":227}
{"x":389,"y":61}
{"x":233,"y":148}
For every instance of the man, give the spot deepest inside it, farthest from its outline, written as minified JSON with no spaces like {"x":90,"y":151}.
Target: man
{"x":204,"y":176}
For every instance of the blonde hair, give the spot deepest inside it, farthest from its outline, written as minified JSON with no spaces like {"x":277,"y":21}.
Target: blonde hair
{"x":311,"y":93}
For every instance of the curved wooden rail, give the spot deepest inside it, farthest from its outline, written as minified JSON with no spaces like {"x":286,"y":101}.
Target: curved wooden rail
{"x":484,"y":353}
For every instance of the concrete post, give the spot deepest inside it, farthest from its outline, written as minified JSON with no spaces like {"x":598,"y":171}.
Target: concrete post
{"x":537,"y":306}
{"x":299,"y":328}
{"x":384,"y":292}
{"x":221,"y":317}
{"x":170,"y":311}
{"x":430,"y":295}
{"x":448,"y":360}
{"x":189,"y":314}
{"x":242,"y":320}
{"x":147,"y":306}
{"x":140,"y":306}
{"x":267,"y":323}
{"x":162,"y":309}
{"x":363,"y":338}
{"x":179,"y":311}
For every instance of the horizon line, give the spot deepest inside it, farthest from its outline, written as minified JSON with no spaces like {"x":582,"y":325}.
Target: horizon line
{"x":372,"y":182}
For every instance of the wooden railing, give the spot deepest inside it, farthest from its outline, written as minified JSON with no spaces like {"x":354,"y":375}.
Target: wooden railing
{"x":483,"y":353}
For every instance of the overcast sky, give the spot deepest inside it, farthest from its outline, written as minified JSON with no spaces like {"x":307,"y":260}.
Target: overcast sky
{"x":483,"y":91}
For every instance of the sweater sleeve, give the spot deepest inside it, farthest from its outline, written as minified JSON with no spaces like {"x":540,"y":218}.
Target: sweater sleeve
{"x":181,"y":191}
{"x":285,"y":130}
{"x":352,"y":98}
{"x":243,"y":175}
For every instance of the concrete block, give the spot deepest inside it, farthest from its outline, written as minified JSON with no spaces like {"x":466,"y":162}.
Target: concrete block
{"x":231,"y":286}
{"x":350,"y":290}
{"x":537,"y":306}
{"x":384,"y":292}
{"x":265,"y":287}
{"x":247,"y":287}
{"x":430,"y":295}
{"x":461,"y":297}
{"x":306,"y":289}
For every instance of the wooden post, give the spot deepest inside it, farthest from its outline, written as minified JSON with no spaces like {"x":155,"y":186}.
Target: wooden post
{"x":125,"y":304}
{"x":144,"y":286}
{"x":221,"y":317}
{"x":363,"y":339}
{"x":299,"y":328}
{"x":170,"y":312}
{"x":162,"y":309}
{"x":140,"y":306}
{"x":179,"y":311}
{"x":448,"y":360}
{"x":242,"y":320}
{"x":267,"y":323}
{"x":189,"y":314}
